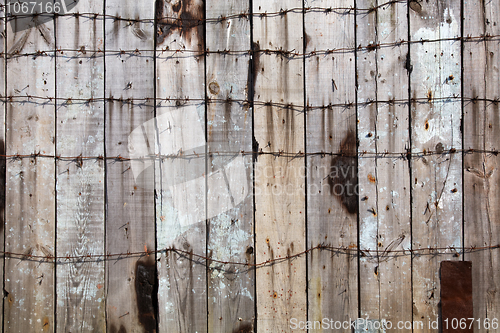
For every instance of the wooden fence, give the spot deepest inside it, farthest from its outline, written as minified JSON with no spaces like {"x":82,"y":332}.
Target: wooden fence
{"x":241,"y":166}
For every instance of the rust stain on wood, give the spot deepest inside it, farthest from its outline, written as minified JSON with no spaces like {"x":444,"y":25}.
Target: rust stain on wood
{"x":456,"y":294}
{"x":184,"y":18}
{"x":245,"y":327}
{"x":343,"y":179}
{"x":146,"y":289}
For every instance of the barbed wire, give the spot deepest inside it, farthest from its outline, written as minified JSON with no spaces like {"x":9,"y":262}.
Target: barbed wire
{"x":363,"y":154}
{"x":298,"y":10}
{"x":183,"y":101}
{"x":378,"y":254}
{"x":289,"y":54}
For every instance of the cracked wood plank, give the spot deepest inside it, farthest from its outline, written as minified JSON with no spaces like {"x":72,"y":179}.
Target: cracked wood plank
{"x":481,"y":171}
{"x":332,"y":199}
{"x":231,"y":293}
{"x":385,"y":200}
{"x":131,"y":285}
{"x":30,"y":182}
{"x":436,"y":179}
{"x":181,"y":182}
{"x":80,"y":183}
{"x":279,"y":181}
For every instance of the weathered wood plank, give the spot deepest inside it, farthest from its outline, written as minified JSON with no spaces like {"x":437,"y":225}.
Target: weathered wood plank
{"x":229,"y":186}
{"x":435,"y":121}
{"x":131,"y":281}
{"x":481,"y":177}
{"x":331,"y":191}
{"x":393,"y":174}
{"x":279,"y":181}
{"x":80,"y":183}
{"x":366,"y":34}
{"x":3,"y":106}
{"x":385,"y":277}
{"x":181,"y":172}
{"x":30,"y":183}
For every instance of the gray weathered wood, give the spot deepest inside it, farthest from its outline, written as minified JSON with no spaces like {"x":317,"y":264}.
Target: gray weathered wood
{"x":181,"y":172}
{"x":331,"y":191}
{"x":80,"y":183}
{"x":229,"y":186}
{"x":393,"y":174}
{"x":385,"y":277}
{"x":3,"y":105}
{"x":481,"y":177}
{"x":130,"y":227}
{"x":279,"y":181}
{"x":435,"y":121}
{"x":367,"y":125}
{"x":30,"y":182}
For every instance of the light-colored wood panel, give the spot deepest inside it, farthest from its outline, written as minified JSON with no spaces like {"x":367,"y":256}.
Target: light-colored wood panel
{"x":30,"y":183}
{"x":332,"y":200}
{"x":279,"y":181}
{"x":181,"y":173}
{"x":367,"y":71}
{"x":393,"y":174}
{"x":481,"y":126}
{"x":131,"y":282}
{"x":80,"y":183}
{"x":436,"y":119}
{"x":383,"y":127}
{"x":229,"y":186}
{"x":3,"y":105}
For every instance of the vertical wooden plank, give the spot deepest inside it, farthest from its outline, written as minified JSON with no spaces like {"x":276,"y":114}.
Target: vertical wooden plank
{"x":279,"y":180}
{"x":80,"y":183}
{"x":181,"y":171}
{"x":481,"y":177}
{"x":30,"y":183}
{"x":384,"y":180}
{"x":332,"y":180}
{"x":131,"y":281}
{"x":3,"y":105}
{"x":393,"y":173}
{"x":229,"y":187}
{"x":366,"y":39}
{"x":436,"y":173}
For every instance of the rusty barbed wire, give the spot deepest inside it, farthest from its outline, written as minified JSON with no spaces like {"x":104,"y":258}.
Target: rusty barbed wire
{"x":297,"y":10}
{"x":182,"y":101}
{"x":208,"y":260}
{"x":289,"y":54}
{"x":363,"y":154}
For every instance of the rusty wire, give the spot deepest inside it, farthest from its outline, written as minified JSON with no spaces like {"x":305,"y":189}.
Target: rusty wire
{"x":362,"y":154}
{"x":350,"y":251}
{"x":289,"y":54}
{"x":298,"y":10}
{"x":179,"y":102}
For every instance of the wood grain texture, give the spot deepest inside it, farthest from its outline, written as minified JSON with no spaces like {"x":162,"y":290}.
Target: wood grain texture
{"x":385,"y":278}
{"x":3,"y":107}
{"x":131,"y":300}
{"x":30,"y":183}
{"x":481,"y":177}
{"x":80,"y":183}
{"x":366,"y":34}
{"x":331,"y":191}
{"x":181,"y":172}
{"x":435,"y":121}
{"x":229,"y":186}
{"x":279,"y":181}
